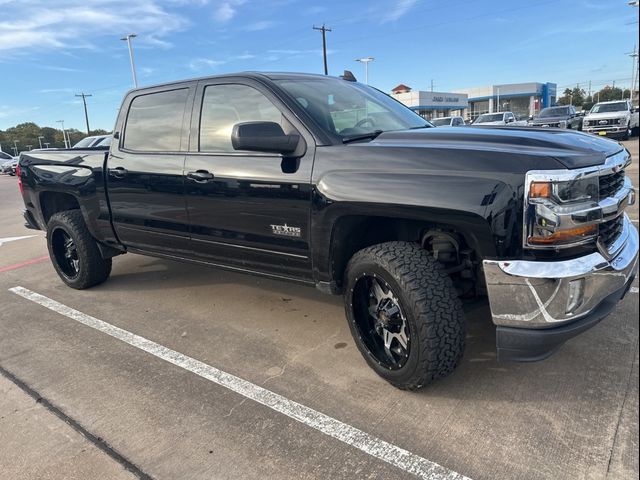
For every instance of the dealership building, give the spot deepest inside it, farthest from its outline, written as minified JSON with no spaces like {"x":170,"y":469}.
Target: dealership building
{"x":523,"y":99}
{"x":431,"y":104}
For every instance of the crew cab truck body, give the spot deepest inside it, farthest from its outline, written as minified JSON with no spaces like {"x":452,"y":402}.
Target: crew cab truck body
{"x":558,"y":117}
{"x":331,"y":183}
{"x":618,"y":119}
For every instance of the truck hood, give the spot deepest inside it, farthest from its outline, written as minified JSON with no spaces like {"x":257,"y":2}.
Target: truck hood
{"x":607,"y":115}
{"x":569,"y":148}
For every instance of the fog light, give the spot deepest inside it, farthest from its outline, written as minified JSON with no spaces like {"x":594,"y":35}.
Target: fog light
{"x":576,"y":295}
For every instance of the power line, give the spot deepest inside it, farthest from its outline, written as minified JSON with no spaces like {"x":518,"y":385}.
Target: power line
{"x":86,"y":114}
{"x":324,"y":31}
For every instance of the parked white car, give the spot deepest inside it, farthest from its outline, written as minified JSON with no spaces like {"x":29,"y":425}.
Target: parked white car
{"x":612,"y":119}
{"x":454,"y":121}
{"x":499,"y":118}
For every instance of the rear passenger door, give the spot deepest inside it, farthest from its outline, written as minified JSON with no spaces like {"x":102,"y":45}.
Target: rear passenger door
{"x":145,"y":181}
{"x":253,"y":211}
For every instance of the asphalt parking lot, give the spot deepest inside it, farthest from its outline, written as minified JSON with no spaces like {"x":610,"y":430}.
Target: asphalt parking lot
{"x":76,"y":401}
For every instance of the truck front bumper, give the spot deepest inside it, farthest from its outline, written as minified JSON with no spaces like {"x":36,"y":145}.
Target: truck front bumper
{"x":537,"y":306}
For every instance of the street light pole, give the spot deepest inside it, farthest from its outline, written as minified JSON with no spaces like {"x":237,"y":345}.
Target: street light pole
{"x":133,"y":65}
{"x":64,"y":133}
{"x":366,"y":61}
{"x":498,"y":88}
{"x":40,"y":137}
{"x":15,"y":148}
{"x":633,"y":56}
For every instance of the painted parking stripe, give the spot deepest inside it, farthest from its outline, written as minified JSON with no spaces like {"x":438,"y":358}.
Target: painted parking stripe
{"x":633,"y":289}
{"x":14,"y":239}
{"x":24,"y":264}
{"x":359,"y":439}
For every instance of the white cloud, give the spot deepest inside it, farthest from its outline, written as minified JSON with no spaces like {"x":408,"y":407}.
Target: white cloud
{"x":39,"y":25}
{"x":226,"y":10}
{"x":199,"y":64}
{"x":398,"y":10}
{"x":259,"y":25}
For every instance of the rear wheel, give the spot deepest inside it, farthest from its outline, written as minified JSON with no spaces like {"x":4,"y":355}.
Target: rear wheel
{"x":74,"y":252}
{"x":404,"y":314}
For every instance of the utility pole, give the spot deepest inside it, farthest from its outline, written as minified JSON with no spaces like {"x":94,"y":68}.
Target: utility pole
{"x":366,"y":61}
{"x":498,"y":98}
{"x":590,"y":89}
{"x":86,"y":115}
{"x":40,"y":137}
{"x":133,"y":65}
{"x":432,"y":85}
{"x":324,"y":31}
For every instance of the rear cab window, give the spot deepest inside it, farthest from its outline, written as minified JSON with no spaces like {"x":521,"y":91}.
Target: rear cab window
{"x":154,"y":121}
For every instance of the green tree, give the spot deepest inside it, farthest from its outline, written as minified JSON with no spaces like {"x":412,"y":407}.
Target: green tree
{"x":572,"y":96}
{"x":608,"y":94}
{"x":26,"y":134}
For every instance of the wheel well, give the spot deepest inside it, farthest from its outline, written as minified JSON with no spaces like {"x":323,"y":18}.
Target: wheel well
{"x":54,"y":202}
{"x":449,"y":246}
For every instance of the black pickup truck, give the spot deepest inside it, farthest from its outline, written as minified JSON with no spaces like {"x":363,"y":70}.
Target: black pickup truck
{"x":332,"y":183}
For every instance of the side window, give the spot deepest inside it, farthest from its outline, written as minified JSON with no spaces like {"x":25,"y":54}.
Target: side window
{"x":225,"y":105}
{"x":154,"y":121}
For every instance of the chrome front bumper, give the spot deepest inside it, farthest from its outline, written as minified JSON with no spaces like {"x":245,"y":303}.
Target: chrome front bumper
{"x":536,"y":295}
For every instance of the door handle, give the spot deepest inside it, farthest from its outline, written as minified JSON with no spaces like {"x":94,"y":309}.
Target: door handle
{"x":118,"y":172}
{"x":201,"y":176}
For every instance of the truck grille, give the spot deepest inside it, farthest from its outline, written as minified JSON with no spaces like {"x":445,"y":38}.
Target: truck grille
{"x":610,"y":230}
{"x":610,"y":184}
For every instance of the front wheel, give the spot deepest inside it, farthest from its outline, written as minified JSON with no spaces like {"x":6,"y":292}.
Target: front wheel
{"x":74,"y":252}
{"x":404,"y":314}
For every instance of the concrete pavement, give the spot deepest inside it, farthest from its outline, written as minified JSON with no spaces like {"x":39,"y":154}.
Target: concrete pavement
{"x":574,"y":415}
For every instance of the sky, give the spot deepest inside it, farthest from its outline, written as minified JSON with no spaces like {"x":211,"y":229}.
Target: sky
{"x":52,"y":50}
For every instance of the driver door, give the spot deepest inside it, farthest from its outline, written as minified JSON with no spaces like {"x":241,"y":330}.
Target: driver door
{"x":247,"y":210}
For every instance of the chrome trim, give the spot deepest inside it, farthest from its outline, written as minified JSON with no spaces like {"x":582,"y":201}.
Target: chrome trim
{"x":534,"y":294}
{"x":588,"y":213}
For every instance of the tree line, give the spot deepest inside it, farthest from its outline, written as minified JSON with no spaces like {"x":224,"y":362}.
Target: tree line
{"x":579,"y":97}
{"x":25,"y":137}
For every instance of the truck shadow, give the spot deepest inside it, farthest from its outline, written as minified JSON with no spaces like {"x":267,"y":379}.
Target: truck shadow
{"x":573,"y":374}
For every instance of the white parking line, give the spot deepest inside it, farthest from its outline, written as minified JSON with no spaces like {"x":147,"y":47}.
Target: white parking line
{"x":363,"y":441}
{"x":13,"y":239}
{"x":633,"y":289}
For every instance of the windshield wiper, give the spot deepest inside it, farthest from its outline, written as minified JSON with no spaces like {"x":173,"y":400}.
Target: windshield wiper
{"x":421,"y":126}
{"x":365,"y":136}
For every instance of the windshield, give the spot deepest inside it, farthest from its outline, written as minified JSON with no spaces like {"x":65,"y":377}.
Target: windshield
{"x":609,"y":107}
{"x":85,"y":142}
{"x":441,"y":122}
{"x":349,"y":108}
{"x":105,"y":142}
{"x":554,"y":112}
{"x":489,"y":117}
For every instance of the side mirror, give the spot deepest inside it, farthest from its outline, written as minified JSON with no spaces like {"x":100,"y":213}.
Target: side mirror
{"x":263,"y":137}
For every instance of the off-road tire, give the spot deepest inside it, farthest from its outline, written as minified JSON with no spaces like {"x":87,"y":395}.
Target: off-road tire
{"x":92,"y":268}
{"x":430,"y":303}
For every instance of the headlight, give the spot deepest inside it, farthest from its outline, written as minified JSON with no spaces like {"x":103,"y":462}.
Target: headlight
{"x":622,"y":121}
{"x":562,"y":124}
{"x":555,"y":212}
{"x":571,"y":191}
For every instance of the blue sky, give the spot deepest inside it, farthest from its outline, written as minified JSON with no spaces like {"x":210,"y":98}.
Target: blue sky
{"x":51,"y":50}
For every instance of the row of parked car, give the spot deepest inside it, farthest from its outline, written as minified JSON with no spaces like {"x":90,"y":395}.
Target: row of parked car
{"x":8,"y":163}
{"x":614,"y":119}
